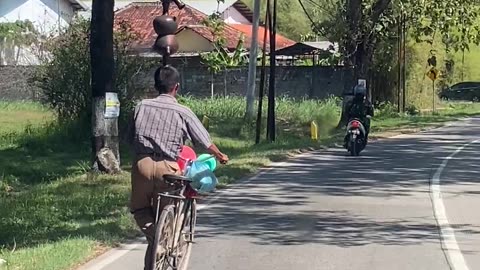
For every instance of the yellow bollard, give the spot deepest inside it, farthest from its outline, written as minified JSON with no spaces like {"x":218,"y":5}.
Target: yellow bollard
{"x":314,"y":130}
{"x":206,"y":121}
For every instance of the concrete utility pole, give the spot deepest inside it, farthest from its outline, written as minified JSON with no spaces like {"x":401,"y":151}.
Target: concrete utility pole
{"x":252,"y":64}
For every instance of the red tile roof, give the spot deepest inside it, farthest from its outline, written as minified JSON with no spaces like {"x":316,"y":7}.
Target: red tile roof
{"x":281,"y":41}
{"x":140,"y":17}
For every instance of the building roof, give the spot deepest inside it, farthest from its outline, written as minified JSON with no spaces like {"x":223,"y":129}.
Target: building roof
{"x":209,"y":6}
{"x":322,"y":45}
{"x":309,"y":48}
{"x":140,"y":17}
{"x":78,"y":5}
{"x":119,"y":4}
{"x":243,"y":9}
{"x":281,"y":41}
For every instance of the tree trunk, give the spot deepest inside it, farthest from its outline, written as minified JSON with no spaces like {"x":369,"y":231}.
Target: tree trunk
{"x":105,"y":149}
{"x":359,"y":47}
{"x":353,"y":17}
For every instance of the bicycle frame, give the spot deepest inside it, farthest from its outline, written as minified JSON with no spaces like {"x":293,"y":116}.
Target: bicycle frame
{"x":182,"y":205}
{"x":182,"y":197}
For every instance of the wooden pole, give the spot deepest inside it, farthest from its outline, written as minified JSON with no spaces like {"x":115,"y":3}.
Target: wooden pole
{"x":262,"y":78}
{"x":399,"y":73}
{"x":433,"y":96}
{"x":404,"y":62}
{"x":271,"y":93}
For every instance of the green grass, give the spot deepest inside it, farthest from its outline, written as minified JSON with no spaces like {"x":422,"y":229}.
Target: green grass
{"x":389,"y":120}
{"x":419,"y":87}
{"x":235,"y":136}
{"x":67,"y":253}
{"x":56,"y":216}
{"x":18,"y":116}
{"x":48,"y":203}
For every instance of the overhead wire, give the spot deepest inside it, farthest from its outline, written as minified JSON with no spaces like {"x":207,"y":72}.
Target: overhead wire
{"x":314,"y":24}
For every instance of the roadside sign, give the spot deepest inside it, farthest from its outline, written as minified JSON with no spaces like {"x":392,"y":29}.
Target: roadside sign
{"x":433,"y":74}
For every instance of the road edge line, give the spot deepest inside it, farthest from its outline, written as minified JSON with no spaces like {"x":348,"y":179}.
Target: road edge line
{"x":448,"y":240}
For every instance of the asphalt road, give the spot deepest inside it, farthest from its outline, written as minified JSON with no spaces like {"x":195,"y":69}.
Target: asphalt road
{"x":327,"y":210}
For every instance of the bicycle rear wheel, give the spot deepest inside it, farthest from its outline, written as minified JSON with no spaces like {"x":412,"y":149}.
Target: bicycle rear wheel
{"x":164,"y":235}
{"x":186,"y":237}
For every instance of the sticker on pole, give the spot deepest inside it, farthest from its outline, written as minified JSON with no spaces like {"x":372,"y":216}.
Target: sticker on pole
{"x":112,"y":105}
{"x":433,"y":74}
{"x":362,"y":82}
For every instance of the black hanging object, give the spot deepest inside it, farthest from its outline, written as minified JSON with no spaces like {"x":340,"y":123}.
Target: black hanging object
{"x":166,"y":26}
{"x":166,"y":45}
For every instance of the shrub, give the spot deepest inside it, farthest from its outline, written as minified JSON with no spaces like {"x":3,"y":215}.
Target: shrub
{"x":65,"y":77}
{"x":386,"y":110}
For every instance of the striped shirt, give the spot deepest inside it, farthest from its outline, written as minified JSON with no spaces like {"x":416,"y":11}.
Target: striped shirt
{"x":162,"y":126}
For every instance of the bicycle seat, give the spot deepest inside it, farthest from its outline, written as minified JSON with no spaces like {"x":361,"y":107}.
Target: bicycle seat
{"x":172,"y":178}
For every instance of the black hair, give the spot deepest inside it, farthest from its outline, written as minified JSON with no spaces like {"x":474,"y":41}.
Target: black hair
{"x":166,"y":78}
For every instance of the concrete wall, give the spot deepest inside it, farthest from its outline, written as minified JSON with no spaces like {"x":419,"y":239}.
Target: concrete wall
{"x":14,"y":83}
{"x":299,"y":82}
{"x":309,"y":82}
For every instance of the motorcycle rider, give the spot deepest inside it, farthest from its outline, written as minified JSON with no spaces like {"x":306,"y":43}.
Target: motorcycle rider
{"x":360,"y":108}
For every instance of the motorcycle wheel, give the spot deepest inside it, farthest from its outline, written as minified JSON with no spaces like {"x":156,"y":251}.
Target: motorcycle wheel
{"x":353,"y":148}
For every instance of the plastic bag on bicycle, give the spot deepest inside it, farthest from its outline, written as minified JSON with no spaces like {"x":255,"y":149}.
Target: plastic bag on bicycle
{"x":203,"y":179}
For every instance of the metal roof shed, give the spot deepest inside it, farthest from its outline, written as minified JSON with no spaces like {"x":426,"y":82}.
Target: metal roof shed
{"x":309,"y":50}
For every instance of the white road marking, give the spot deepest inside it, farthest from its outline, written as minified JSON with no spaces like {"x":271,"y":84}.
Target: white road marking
{"x":447,"y":234}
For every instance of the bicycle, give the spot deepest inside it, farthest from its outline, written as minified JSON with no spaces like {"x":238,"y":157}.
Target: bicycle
{"x":175,"y":225}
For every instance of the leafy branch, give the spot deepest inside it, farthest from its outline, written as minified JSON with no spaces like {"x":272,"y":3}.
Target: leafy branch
{"x":18,"y":34}
{"x":220,"y":58}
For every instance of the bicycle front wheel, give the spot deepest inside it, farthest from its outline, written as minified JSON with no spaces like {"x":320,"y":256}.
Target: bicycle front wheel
{"x":187,"y":234}
{"x":164,"y":235}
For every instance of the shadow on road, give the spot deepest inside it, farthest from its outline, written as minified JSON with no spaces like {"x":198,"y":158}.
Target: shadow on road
{"x":267,"y":210}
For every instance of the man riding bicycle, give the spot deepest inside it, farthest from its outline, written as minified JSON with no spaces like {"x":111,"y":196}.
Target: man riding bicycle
{"x":160,"y":128}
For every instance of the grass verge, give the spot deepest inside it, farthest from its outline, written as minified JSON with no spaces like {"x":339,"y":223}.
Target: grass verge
{"x":389,"y":123}
{"x":55,"y":216}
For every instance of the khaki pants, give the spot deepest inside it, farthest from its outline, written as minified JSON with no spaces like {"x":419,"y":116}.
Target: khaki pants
{"x":147,"y":182}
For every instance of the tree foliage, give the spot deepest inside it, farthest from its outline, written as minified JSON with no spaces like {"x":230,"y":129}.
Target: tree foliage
{"x":65,"y":78}
{"x":456,"y":21}
{"x":367,"y":29}
{"x":221,"y":58}
{"x":292,"y":21}
{"x":15,"y":35}
{"x":21,"y":32}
